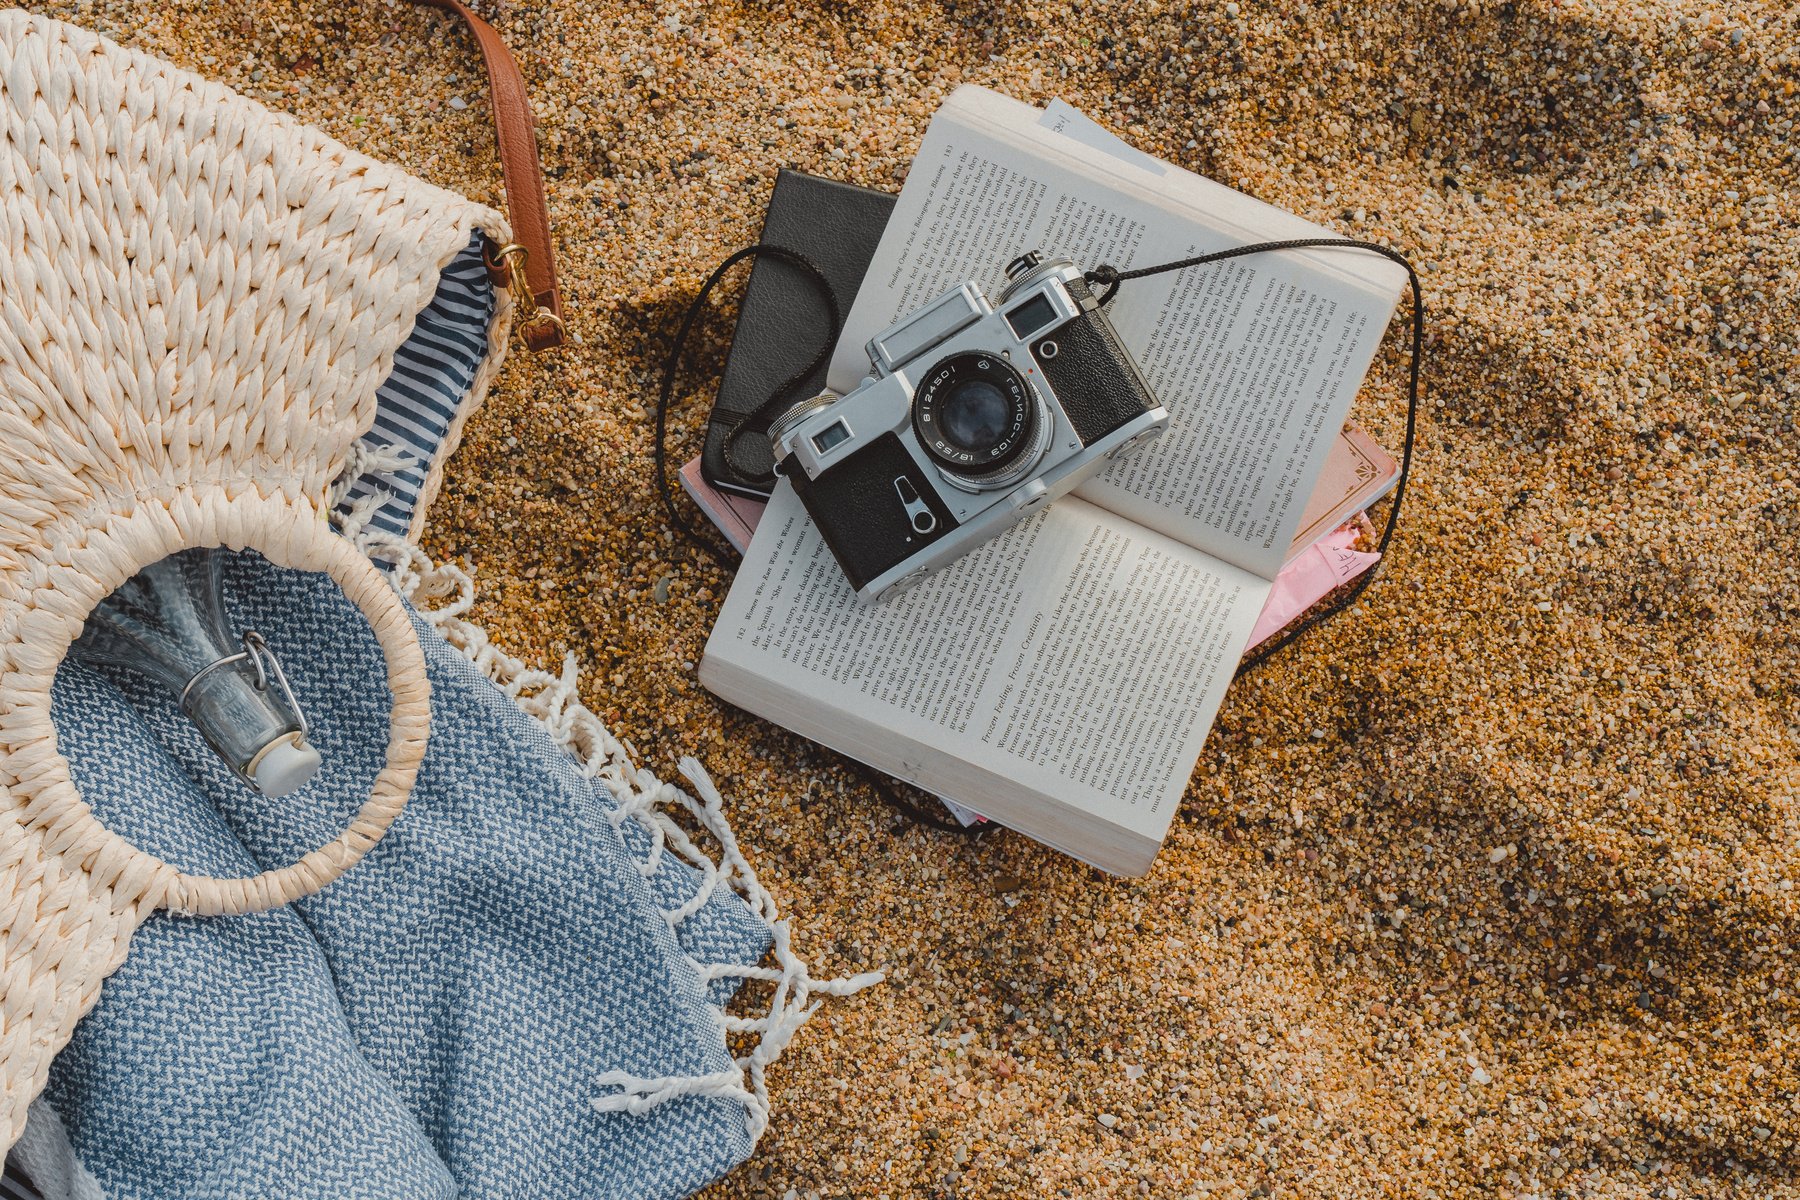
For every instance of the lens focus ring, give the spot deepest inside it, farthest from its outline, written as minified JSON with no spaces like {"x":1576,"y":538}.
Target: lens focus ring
{"x":979,"y":420}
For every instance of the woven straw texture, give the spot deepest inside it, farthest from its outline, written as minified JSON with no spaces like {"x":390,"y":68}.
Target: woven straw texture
{"x":198,"y":301}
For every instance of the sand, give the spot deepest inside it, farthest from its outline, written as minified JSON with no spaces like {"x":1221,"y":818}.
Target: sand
{"x":1487,"y":889}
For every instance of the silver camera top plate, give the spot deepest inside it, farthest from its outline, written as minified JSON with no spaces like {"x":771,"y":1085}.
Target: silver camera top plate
{"x":924,"y":328}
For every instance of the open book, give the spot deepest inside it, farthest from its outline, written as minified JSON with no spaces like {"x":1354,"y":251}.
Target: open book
{"x":1062,"y":678}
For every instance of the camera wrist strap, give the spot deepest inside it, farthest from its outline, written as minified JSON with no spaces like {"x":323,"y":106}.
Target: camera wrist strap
{"x":757,"y":421}
{"x":1110,"y":279}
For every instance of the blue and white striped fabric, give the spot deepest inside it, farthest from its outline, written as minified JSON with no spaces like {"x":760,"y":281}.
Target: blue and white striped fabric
{"x":420,"y":401}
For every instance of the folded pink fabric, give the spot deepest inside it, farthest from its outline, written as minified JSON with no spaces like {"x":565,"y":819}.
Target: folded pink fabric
{"x":1326,"y":564}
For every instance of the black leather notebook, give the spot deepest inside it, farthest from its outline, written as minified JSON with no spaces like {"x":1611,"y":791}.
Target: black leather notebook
{"x":783,"y":319}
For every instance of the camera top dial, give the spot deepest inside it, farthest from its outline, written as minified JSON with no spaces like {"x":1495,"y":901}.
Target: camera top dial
{"x":979,"y":421}
{"x":1030,"y":269}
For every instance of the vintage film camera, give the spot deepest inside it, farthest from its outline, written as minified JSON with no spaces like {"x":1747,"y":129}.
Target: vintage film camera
{"x":969,"y":419}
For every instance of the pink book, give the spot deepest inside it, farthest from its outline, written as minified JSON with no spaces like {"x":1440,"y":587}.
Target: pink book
{"x":1357,"y":473}
{"x":735,"y":515}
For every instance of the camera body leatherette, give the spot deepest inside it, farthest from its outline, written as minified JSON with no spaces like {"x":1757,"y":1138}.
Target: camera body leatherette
{"x":867,"y":529}
{"x":1095,"y":378}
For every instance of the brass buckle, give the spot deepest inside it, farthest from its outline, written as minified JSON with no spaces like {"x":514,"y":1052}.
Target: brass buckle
{"x":512,"y":257}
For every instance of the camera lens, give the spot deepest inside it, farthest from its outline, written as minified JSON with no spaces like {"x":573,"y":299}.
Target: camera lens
{"x":974,"y":415}
{"x":979,"y":420}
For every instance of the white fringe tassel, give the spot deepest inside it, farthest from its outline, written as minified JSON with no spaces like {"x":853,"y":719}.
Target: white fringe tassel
{"x":443,"y":594}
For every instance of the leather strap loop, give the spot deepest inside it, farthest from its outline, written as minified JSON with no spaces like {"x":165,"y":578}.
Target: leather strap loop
{"x":539,"y":322}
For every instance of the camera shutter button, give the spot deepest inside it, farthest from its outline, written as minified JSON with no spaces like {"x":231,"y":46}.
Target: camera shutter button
{"x":1029,"y":495}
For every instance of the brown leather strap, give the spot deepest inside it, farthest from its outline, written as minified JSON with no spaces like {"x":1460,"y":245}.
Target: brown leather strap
{"x":539,"y":321}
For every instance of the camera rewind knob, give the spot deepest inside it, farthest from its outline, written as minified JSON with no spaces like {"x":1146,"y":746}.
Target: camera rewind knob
{"x":1024,"y":264}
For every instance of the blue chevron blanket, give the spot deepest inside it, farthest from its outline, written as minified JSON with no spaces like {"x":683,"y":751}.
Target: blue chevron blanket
{"x":518,"y":993}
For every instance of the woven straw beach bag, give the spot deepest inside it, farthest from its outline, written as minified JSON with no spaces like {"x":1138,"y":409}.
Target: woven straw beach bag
{"x":198,"y":300}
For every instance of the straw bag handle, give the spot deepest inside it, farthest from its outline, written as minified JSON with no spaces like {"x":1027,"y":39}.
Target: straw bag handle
{"x":289,"y":535}
{"x":72,"y":892}
{"x":527,"y":264}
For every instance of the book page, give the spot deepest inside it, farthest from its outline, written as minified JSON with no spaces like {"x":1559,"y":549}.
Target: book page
{"x":1257,"y":359}
{"x":1077,"y":656}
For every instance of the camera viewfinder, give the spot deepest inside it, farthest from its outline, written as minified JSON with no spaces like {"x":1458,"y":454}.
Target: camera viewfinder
{"x":1030,"y":316}
{"x":833,"y":435}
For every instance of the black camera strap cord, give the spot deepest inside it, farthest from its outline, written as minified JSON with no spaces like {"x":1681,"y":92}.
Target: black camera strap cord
{"x":1106,"y":277}
{"x":1112,"y":279}
{"x":765,"y":412}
